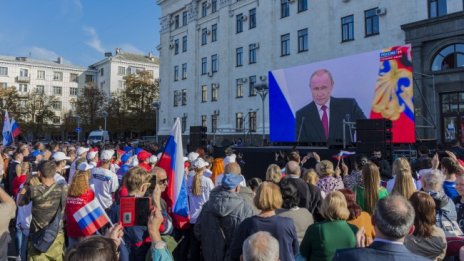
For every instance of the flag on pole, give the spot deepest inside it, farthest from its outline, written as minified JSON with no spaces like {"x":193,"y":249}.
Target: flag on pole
{"x":172,"y":160}
{"x":15,"y":130}
{"x":343,"y":154}
{"x":91,"y":217}
{"x":6,"y":132}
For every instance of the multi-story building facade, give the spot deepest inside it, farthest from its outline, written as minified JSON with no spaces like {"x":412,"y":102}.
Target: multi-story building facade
{"x":52,"y":78}
{"x":66,"y":81}
{"x":213,"y":52}
{"x":111,"y":70}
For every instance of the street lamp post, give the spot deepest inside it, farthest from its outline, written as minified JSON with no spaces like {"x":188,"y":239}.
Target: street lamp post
{"x":78,"y":127}
{"x":156,"y":106}
{"x":105,"y":115}
{"x":262,"y":90}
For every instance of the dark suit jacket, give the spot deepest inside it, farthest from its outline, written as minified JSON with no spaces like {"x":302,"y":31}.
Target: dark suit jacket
{"x":311,"y":126}
{"x":378,"y":251}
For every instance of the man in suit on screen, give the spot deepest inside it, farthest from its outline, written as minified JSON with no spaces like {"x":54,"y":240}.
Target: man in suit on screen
{"x":321,"y":121}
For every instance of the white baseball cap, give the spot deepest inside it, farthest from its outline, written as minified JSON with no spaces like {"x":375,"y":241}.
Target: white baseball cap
{"x":192,"y":156}
{"x":59,"y":156}
{"x":91,"y":155}
{"x":200,"y":163}
{"x":153,"y":159}
{"x":229,"y":159}
{"x":84,"y":166}
{"x":107,"y":155}
{"x":82,"y":150}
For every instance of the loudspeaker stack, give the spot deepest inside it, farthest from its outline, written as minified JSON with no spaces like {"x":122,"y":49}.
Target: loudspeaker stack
{"x":374,"y":134}
{"x":198,"y":137}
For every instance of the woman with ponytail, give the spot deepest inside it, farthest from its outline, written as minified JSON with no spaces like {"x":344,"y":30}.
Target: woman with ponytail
{"x":198,"y":187}
{"x":370,"y":192}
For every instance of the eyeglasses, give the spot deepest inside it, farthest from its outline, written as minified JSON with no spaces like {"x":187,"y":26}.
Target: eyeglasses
{"x":162,"y":181}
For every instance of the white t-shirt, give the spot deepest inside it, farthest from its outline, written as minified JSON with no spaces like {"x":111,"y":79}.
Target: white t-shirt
{"x":105,"y":183}
{"x":218,"y":180}
{"x":196,"y":202}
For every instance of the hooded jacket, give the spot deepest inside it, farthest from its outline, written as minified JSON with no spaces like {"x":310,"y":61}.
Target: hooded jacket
{"x":215,"y":226}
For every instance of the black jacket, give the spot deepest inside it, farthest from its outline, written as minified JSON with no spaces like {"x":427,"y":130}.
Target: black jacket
{"x":308,"y":119}
{"x":378,"y":251}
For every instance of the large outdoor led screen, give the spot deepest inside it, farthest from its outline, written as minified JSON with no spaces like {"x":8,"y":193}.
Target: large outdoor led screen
{"x":308,"y":103}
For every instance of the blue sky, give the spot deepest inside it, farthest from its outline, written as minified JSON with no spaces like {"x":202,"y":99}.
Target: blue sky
{"x":78,"y":30}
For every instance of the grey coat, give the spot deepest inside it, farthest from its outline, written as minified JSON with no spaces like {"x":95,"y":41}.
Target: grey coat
{"x":215,"y":227}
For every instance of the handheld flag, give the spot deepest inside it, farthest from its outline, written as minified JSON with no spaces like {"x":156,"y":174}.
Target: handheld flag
{"x":6,"y":132}
{"x":343,"y":154}
{"x":15,"y":130}
{"x":91,"y":217}
{"x":172,"y":161}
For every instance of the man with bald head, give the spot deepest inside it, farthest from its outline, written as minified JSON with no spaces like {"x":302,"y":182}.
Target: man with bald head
{"x":321,"y":120}
{"x":393,"y":220}
{"x":293,"y":173}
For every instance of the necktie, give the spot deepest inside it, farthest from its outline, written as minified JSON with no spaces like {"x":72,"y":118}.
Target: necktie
{"x":325,"y":121}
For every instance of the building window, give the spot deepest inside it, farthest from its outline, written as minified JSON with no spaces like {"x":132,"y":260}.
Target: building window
{"x":4,"y":71}
{"x":24,"y":73}
{"x":204,"y":93}
{"x":176,"y":73}
{"x":40,"y":75}
{"x":239,"y":122}
{"x":184,"y":123}
{"x":184,"y":44}
{"x":347,"y":28}
{"x":252,"y":16}
{"x":213,"y":6}
{"x":450,"y":57}
{"x":239,"y":92}
{"x":184,"y":97}
{"x":56,"y":105}
{"x":56,"y":120}
{"x":184,"y":18}
{"x":176,"y":98}
{"x":184,"y":71}
{"x":102,"y":72}
{"x":437,"y":8}
{"x":239,"y":23}
{"x":214,"y":92}
{"x":73,"y":91}
{"x":252,"y":53}
{"x":214,"y":63}
{"x":176,"y":21}
{"x":252,"y":121}
{"x":204,"y":66}
{"x":22,"y":87}
{"x":214,"y":120}
{"x":302,"y":5}
{"x":252,"y":82}
{"x":284,"y":8}
{"x":204,"y":121}
{"x":239,"y":56}
{"x":121,"y":70}
{"x":371,"y":20}
{"x":121,"y":84}
{"x":176,"y":46}
{"x":57,"y":90}
{"x":57,"y":76}
{"x":40,"y":89}
{"x":3,"y":85}
{"x":214,"y":33}
{"x":88,"y":78}
{"x":303,"y":40}
{"x":204,"y":36}
{"x":102,"y":84}
{"x":73,"y":77}
{"x":204,"y":9}
{"x":285,"y":45}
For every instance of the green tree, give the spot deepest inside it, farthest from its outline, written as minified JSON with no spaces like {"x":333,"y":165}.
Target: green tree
{"x":38,"y":112}
{"x":10,"y":101}
{"x":90,"y":105}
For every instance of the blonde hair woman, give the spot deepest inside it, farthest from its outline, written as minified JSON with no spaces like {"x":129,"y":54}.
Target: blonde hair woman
{"x":335,"y":232}
{"x":310,"y":176}
{"x":328,"y":181}
{"x":268,"y":198}
{"x":198,"y":187}
{"x":370,"y":192}
{"x":403,"y":180}
{"x":273,"y":173}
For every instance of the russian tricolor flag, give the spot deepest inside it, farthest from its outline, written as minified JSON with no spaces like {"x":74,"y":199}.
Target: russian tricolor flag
{"x":91,"y":217}
{"x":343,"y":154}
{"x":172,"y":160}
{"x":15,"y":130}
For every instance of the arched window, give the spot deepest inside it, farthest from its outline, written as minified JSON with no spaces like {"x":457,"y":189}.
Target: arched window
{"x":450,"y":57}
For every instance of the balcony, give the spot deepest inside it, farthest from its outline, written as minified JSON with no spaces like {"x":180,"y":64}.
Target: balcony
{"x":23,"y":79}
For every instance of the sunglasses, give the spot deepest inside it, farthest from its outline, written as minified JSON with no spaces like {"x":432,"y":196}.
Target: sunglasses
{"x":162,"y":181}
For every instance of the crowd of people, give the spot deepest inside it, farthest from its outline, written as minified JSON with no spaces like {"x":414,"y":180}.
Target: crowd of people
{"x":411,"y":209}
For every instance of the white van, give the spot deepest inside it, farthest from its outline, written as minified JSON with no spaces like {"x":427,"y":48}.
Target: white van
{"x":96,"y":137}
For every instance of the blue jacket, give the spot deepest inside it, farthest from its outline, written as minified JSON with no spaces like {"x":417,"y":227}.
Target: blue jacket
{"x":378,"y":251}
